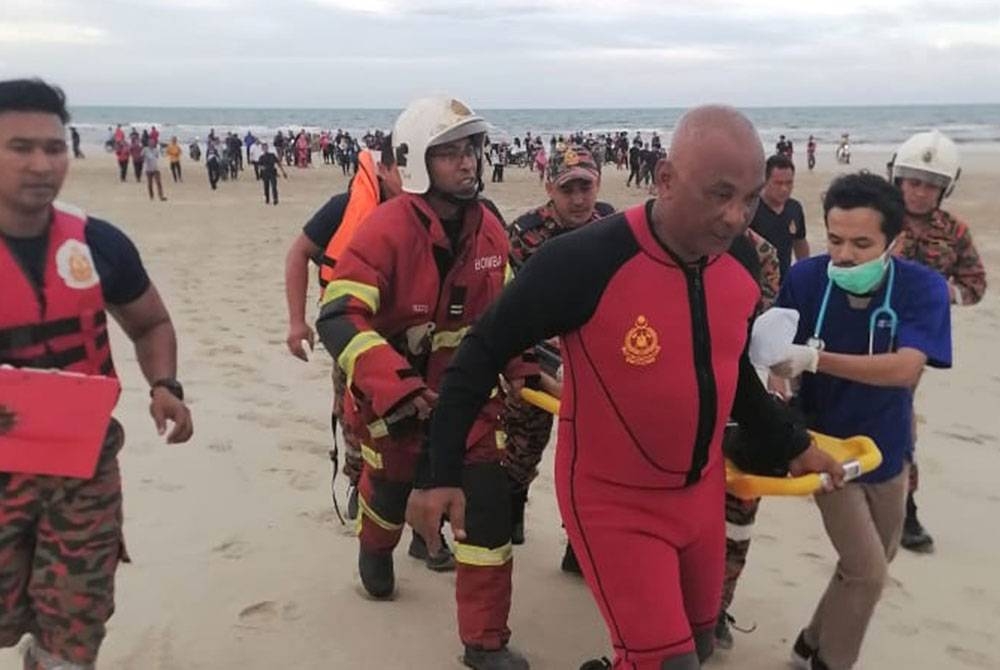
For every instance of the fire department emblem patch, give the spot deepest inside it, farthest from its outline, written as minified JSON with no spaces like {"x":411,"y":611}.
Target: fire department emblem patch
{"x":75,"y":265}
{"x":642,"y":343}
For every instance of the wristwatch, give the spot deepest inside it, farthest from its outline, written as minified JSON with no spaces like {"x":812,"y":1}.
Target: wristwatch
{"x":171,"y":385}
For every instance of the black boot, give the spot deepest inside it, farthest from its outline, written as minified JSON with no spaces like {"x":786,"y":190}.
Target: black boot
{"x":569,"y":562}
{"x":597,"y":664}
{"x":723,"y":635}
{"x":352,"y":503}
{"x":915,"y":537}
{"x":517,"y":500}
{"x":442,"y":561}
{"x":503,"y":658}
{"x":377,"y":574}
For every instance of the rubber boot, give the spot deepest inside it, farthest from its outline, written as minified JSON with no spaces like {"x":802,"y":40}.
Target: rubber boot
{"x":377,"y":573}
{"x":723,"y":635}
{"x":597,"y":664}
{"x":569,"y":562}
{"x":518,"y":498}
{"x":352,"y":503}
{"x":443,"y":561}
{"x":915,"y":536}
{"x":503,"y":658}
{"x":802,"y":653}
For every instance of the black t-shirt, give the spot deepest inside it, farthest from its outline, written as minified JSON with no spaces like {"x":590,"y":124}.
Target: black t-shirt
{"x":268,"y":164}
{"x":323,"y":225}
{"x":123,"y":277}
{"x":781,"y":230}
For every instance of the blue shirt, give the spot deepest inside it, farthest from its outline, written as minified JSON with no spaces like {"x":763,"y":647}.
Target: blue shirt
{"x":844,"y":408}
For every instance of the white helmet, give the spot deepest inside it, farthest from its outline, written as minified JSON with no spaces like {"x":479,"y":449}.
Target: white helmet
{"x":425,"y":123}
{"x":929,"y":157}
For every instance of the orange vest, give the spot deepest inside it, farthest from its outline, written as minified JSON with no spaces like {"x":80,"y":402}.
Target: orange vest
{"x":365,"y":196}
{"x":60,"y":323}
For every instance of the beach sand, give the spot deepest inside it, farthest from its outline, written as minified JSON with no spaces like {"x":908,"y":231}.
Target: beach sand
{"x":239,"y":560}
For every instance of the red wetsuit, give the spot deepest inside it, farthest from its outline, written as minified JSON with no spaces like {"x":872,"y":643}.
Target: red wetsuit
{"x":654,"y":356}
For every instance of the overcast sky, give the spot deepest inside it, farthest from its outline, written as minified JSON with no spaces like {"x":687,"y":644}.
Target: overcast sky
{"x":506,"y":53}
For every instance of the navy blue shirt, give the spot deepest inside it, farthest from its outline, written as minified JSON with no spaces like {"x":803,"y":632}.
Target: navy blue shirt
{"x":781,"y":230}
{"x":844,"y":408}
{"x":118,"y":264}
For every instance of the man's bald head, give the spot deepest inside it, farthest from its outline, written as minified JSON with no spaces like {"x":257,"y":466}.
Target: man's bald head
{"x":705,"y":129}
{"x":709,"y":184}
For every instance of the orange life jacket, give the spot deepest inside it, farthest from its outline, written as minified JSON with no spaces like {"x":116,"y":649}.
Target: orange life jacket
{"x":60,"y":324}
{"x":365,"y":196}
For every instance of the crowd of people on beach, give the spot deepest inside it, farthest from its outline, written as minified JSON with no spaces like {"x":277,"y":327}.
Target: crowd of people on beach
{"x":632,"y":327}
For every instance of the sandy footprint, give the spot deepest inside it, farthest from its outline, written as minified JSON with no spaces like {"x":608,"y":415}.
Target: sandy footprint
{"x":970,"y":657}
{"x":233,"y":549}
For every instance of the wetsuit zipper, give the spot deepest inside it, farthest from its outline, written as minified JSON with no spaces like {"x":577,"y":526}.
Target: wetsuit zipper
{"x":705,"y":375}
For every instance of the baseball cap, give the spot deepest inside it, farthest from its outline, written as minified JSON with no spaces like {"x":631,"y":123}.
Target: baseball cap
{"x":572,"y":162}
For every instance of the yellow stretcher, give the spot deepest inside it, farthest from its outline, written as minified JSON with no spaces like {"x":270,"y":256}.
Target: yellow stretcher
{"x":858,"y":455}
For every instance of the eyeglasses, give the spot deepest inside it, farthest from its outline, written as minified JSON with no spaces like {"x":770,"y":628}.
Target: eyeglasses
{"x":454,"y":153}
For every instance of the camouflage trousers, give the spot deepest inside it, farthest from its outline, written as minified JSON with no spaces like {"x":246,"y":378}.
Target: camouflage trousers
{"x":352,"y":443}
{"x":60,"y":544}
{"x":740,"y":517}
{"x":528,"y":429}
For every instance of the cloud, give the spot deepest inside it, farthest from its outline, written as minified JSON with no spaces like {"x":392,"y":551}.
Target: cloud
{"x":42,"y":32}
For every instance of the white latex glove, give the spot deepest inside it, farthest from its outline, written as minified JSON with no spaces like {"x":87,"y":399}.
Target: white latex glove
{"x":798,"y":359}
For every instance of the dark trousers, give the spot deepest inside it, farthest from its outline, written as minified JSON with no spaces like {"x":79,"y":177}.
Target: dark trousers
{"x":123,"y":170}
{"x":633,"y":173}
{"x":137,"y":165}
{"x":270,"y":186}
{"x":213,"y":172}
{"x":175,"y":171}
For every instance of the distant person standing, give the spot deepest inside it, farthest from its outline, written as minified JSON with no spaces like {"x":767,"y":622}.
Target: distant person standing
{"x":253,"y":156}
{"x":135,"y":150}
{"x":154,"y":135}
{"x":634,"y":164}
{"x":269,"y":166}
{"x":122,"y":154}
{"x":213,"y":162}
{"x":174,"y":156}
{"x":151,"y":166}
{"x":811,"y":152}
{"x":75,"y":138}
{"x":779,"y":217}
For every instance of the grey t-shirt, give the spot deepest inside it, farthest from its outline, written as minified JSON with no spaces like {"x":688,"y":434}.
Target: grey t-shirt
{"x":150,"y":159}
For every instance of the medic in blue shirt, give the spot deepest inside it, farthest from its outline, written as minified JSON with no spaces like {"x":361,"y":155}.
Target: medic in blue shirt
{"x":869,"y":323}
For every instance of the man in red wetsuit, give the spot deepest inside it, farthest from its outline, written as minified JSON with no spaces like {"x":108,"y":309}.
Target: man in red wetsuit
{"x":653,"y":317}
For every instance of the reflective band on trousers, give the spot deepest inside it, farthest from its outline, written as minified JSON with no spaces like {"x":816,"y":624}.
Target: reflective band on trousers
{"x":448,"y":338}
{"x":364,"y":292}
{"x":738,"y":533}
{"x":359,"y":344}
{"x":470,"y":554}
{"x":379,"y":521}
{"x":371,"y":457}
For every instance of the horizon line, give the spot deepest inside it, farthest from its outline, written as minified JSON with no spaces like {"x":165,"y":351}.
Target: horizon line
{"x":554,"y":109}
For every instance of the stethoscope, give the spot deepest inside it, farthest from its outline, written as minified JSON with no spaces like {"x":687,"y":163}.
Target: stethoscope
{"x":886,"y":310}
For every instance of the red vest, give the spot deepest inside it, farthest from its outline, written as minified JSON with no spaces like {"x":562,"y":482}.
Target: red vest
{"x":61,"y":324}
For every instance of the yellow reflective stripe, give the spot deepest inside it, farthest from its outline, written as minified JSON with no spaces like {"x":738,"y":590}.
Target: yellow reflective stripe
{"x":371,"y":457}
{"x":508,"y":274}
{"x":501,"y":438}
{"x":483,"y":557}
{"x":379,"y":521}
{"x":338,"y":288}
{"x":359,"y":344}
{"x":448,"y":338}
{"x":378,"y":428}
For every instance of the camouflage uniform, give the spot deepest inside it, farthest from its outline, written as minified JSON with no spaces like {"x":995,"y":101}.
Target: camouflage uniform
{"x":741,"y":514}
{"x":942,"y":242}
{"x":60,"y":544}
{"x":527,"y":427}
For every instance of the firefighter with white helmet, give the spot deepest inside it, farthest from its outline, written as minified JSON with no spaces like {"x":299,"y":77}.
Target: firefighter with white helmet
{"x":926,"y":168}
{"x":412,"y":280}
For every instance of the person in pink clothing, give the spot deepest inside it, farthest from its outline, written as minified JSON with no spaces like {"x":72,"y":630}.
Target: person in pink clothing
{"x":541,"y":160}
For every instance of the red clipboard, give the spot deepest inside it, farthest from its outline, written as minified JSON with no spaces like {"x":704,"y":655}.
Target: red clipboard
{"x":60,"y":423}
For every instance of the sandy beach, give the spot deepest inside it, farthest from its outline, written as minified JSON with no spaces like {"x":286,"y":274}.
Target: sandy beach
{"x":240,"y":562}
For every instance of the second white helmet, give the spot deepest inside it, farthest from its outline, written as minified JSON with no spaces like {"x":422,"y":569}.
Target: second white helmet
{"x":428,"y":122}
{"x":929,"y":156}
